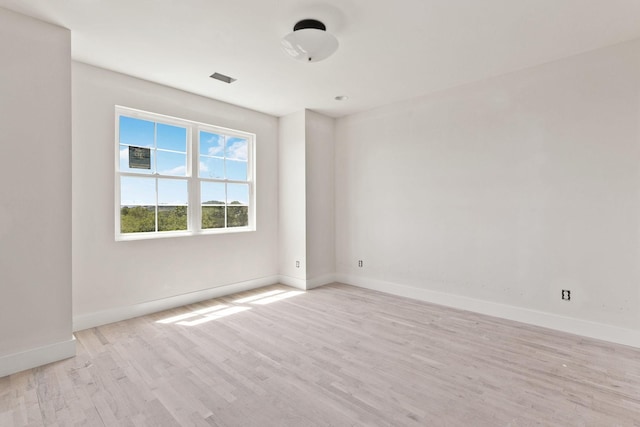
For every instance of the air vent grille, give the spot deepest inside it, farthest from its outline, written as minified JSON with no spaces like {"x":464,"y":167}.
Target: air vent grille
{"x":222,"y":78}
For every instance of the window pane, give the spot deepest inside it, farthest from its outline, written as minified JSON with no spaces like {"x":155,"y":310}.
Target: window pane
{"x":211,"y":144}
{"x":211,"y":168}
{"x":137,"y":205}
{"x":170,"y":163}
{"x":212,"y":193}
{"x":212,"y":217}
{"x":172,"y":192}
{"x":124,"y":162}
{"x":136,"y":132}
{"x":236,"y":170}
{"x":136,"y":191}
{"x":172,"y":204}
{"x":172,"y":137}
{"x":236,"y":158}
{"x":137,"y":219}
{"x":172,"y":218}
{"x":237,"y":216}
{"x":237,"y":194}
{"x":237,"y":149}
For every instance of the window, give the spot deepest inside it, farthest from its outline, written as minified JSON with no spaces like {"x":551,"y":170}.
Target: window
{"x":178,"y":177}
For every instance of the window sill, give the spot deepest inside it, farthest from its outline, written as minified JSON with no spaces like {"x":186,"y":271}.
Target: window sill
{"x":172,"y":234}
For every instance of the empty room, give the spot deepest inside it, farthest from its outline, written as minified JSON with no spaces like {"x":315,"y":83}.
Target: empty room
{"x":319,"y":213}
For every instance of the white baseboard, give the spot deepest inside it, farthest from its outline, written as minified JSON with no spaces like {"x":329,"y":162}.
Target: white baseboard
{"x":16,"y":362}
{"x":308,"y":284}
{"x":91,"y":320}
{"x":584,"y":328}
{"x":294,"y":282}
{"x":318,"y":281}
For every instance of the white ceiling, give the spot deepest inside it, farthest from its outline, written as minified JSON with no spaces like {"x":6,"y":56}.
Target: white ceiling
{"x":389,"y":50}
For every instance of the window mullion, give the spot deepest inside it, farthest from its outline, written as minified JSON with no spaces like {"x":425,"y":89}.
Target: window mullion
{"x":226,"y":189}
{"x":226,"y":204}
{"x":155,"y":168}
{"x":224,"y":156}
{"x":194,"y":184}
{"x":156,"y":206}
{"x":155,"y":148}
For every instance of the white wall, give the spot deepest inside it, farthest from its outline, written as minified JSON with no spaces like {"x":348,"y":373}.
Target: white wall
{"x":292,"y":200}
{"x":306,"y":195}
{"x":505,"y":191}
{"x":319,"y":165}
{"x":35,"y":193}
{"x":109,"y":275}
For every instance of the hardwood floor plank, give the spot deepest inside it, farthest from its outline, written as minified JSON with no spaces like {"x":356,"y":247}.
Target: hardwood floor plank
{"x":334,"y":356}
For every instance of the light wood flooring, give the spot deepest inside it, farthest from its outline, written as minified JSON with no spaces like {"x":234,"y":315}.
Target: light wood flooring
{"x":334,"y":356}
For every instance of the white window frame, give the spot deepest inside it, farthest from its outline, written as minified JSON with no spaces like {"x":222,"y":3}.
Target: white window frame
{"x":194,"y":206}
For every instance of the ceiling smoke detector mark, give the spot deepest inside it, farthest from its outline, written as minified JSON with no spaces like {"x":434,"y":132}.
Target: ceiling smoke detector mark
{"x":341,"y":98}
{"x":222,"y":78}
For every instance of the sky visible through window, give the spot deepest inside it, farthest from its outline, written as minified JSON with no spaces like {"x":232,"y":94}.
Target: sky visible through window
{"x":219,"y":157}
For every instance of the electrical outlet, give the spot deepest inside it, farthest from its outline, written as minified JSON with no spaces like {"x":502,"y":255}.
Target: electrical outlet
{"x":566,"y":295}
{"x":360,"y":263}
{"x":297,"y":264}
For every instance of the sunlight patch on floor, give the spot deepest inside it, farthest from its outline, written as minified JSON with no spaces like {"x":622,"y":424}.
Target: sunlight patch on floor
{"x":194,"y":313}
{"x":207,"y":314}
{"x":279,"y":297}
{"x":258,"y":296}
{"x":217,"y":315}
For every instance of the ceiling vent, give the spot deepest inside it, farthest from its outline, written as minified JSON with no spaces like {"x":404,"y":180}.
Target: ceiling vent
{"x":222,"y":78}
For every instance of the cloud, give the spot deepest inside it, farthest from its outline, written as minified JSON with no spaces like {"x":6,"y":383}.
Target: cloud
{"x":217,"y":148}
{"x":238,"y":150}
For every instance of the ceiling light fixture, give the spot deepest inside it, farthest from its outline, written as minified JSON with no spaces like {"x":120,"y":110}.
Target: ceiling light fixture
{"x":309,"y":41}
